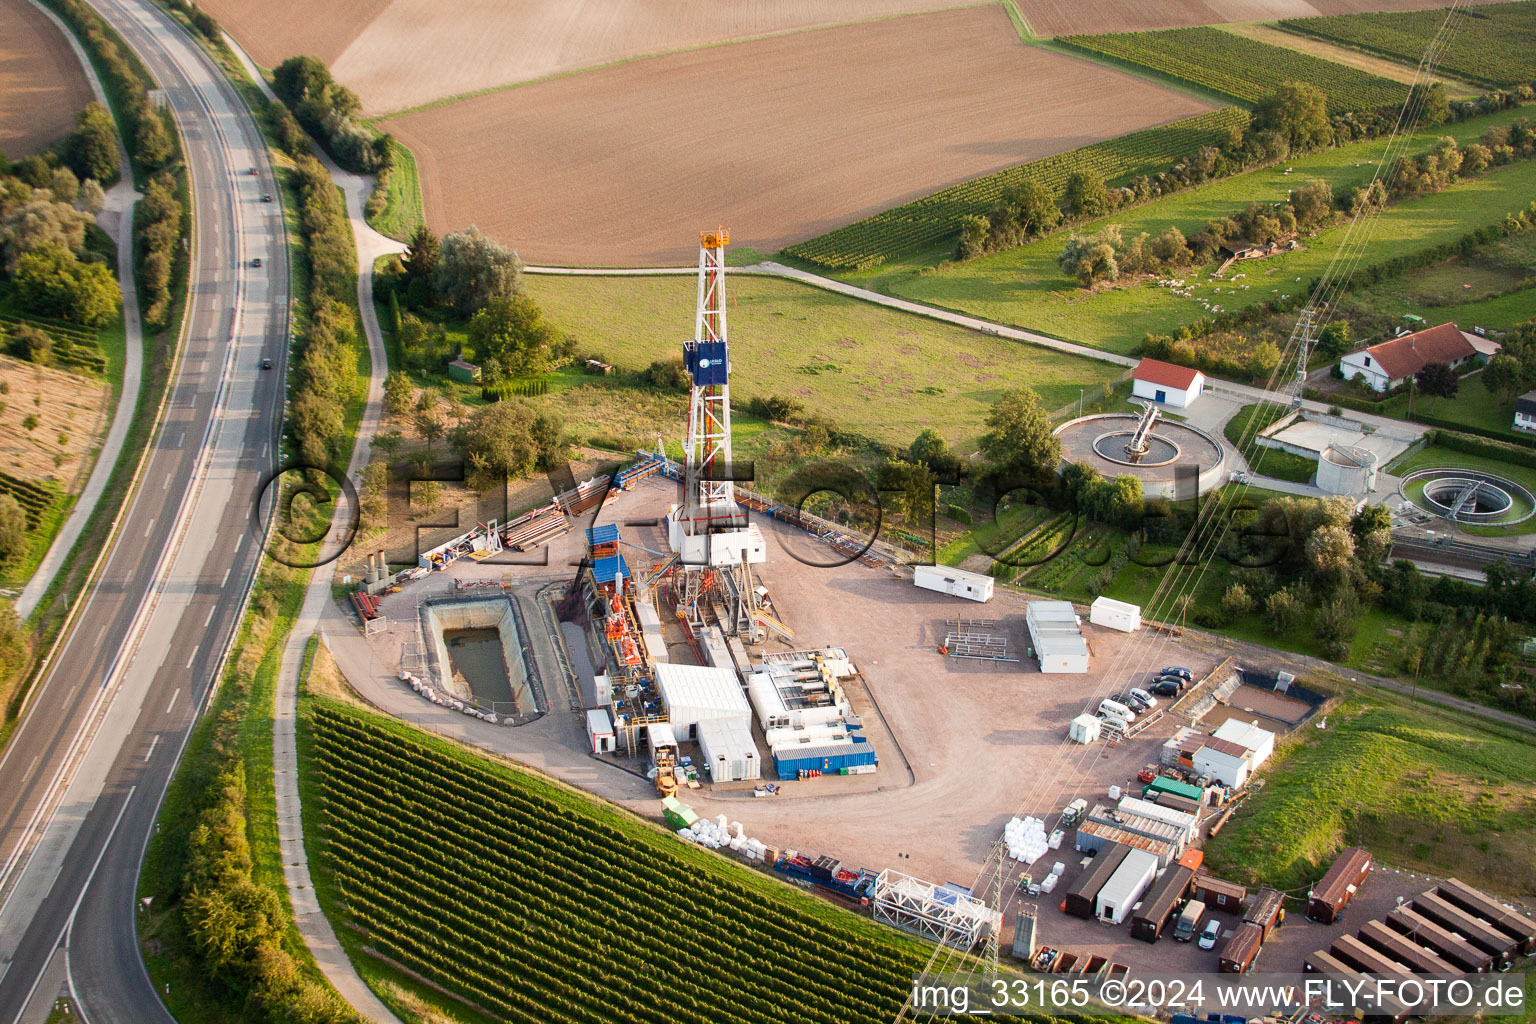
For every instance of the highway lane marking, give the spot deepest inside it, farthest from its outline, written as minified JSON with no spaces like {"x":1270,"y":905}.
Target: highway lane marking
{"x":167,"y":484}
{"x":100,"y":636}
{"x":151,"y":526}
{"x":225,"y":580}
{"x":194,"y":655}
{"x":210,"y":617}
{"x":152,"y":741}
{"x":63,"y":932}
{"x":173,"y":700}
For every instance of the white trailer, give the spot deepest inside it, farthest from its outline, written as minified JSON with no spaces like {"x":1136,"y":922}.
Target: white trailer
{"x":1056,"y":637}
{"x":1112,"y":614}
{"x":973,"y":586}
{"x":1125,"y":886}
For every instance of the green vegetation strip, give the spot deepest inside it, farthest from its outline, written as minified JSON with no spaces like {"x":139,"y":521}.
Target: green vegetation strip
{"x":1245,"y":69}
{"x":1492,"y":44}
{"x":539,"y":904}
{"x":403,"y":211}
{"x":1025,"y":287}
{"x":1424,"y":789}
{"x":928,"y":221}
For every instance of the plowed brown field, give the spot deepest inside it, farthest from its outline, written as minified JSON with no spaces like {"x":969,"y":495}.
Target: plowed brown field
{"x":1062,"y":17}
{"x":399,"y":54}
{"x":41,"y":83}
{"x":780,"y":138}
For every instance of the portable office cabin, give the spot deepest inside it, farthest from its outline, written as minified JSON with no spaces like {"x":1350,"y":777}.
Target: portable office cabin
{"x":1363,"y":958}
{"x":973,"y":586}
{"x":1219,"y":894}
{"x":1474,"y":901}
{"x":728,"y":750}
{"x":1240,"y":950}
{"x":1451,"y":947}
{"x":1080,"y":899}
{"x":1157,"y":906}
{"x":1112,"y":614}
{"x":1222,"y":760}
{"x":600,"y":731}
{"x":1056,"y":637}
{"x":1406,"y":952}
{"x":1339,"y":885}
{"x":1267,"y":910}
{"x":1125,"y":886}
{"x":1260,"y":743}
{"x":1480,"y":933}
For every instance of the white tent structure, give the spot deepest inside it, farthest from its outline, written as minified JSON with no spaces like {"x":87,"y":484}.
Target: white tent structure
{"x":694,"y":694}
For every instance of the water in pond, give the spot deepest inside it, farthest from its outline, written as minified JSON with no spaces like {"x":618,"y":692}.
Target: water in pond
{"x":476,"y":656}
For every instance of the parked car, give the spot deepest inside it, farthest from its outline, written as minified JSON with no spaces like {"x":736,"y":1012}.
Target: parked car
{"x":1166,"y":687}
{"x":1211,"y":933}
{"x":1133,"y":702}
{"x":1175,"y":680}
{"x":1143,"y":696}
{"x":1177,"y":670}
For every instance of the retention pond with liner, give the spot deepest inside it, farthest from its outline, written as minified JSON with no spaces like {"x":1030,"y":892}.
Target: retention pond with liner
{"x":474,"y":648}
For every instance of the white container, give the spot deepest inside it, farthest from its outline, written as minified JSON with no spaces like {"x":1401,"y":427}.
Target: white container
{"x":1114,"y":792}
{"x":1058,"y":867}
{"x":972,"y":586}
{"x":1056,"y":838}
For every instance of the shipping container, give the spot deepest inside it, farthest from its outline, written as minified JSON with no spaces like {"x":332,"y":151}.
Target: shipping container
{"x":1174,"y":786}
{"x":1451,"y":947}
{"x":1157,"y":906}
{"x":972,"y":586}
{"x":1406,"y":952}
{"x":1474,"y":901}
{"x":1219,"y":894}
{"x":1480,"y":933}
{"x":1339,"y":885}
{"x":827,"y":759}
{"x":1112,"y":614}
{"x":1237,"y":954}
{"x":1178,"y":803}
{"x":1192,"y":859}
{"x":1267,"y":910}
{"x":1080,"y":898}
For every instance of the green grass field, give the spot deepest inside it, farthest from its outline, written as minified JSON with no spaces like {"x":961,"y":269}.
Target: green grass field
{"x":875,"y":371}
{"x":1241,"y":430}
{"x":1473,"y":407}
{"x":1493,"y":286}
{"x":1422,"y":788}
{"x":402,"y":213}
{"x":1492,"y":44}
{"x":1024,"y":286}
{"x":1245,"y":69}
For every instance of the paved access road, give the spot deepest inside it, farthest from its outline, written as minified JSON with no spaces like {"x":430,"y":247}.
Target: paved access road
{"x":84,"y":773}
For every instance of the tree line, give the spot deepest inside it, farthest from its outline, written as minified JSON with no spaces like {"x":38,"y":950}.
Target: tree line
{"x":1292,"y":120}
{"x":330,"y":112}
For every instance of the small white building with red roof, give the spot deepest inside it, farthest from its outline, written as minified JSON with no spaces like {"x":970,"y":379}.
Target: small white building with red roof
{"x":1166,"y":383}
{"x":1390,"y":364}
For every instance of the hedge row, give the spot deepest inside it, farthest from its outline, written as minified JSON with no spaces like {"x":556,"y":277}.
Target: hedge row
{"x":1483,"y":447}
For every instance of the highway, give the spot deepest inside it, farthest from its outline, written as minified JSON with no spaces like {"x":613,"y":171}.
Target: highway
{"x":83,"y":776}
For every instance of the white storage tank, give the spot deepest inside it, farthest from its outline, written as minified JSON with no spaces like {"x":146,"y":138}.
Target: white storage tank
{"x":972,"y":586}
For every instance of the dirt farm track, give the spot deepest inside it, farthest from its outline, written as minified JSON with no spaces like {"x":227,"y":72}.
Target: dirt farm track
{"x":41,"y":83}
{"x":799,"y":134}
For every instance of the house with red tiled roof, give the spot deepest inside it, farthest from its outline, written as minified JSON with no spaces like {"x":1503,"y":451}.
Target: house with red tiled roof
{"x":1389,"y":364}
{"x":1166,"y":383}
